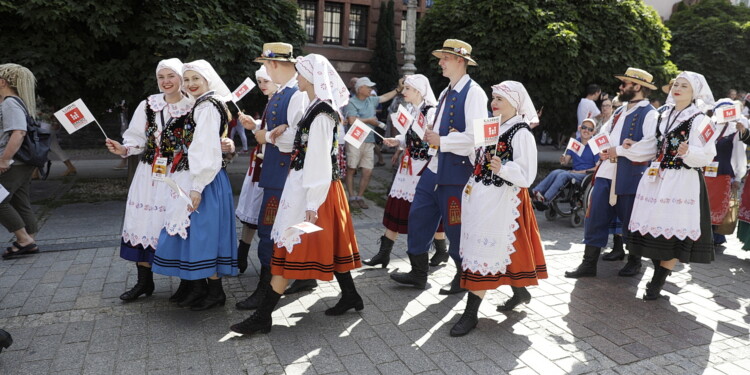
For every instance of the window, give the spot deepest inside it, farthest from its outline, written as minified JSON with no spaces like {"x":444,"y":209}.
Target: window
{"x":403,"y":31}
{"x":358,"y":26}
{"x":307,"y":16}
{"x":332,"y":23}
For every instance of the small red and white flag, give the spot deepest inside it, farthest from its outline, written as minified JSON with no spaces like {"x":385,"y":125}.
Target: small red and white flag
{"x":727,"y":113}
{"x":601,"y":142}
{"x":486,"y":131}
{"x":243,"y":89}
{"x":401,"y":119}
{"x":575,"y":146}
{"x":357,"y":133}
{"x":419,"y":126}
{"x":74,"y":116}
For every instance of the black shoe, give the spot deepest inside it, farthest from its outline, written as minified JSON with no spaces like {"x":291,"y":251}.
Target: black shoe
{"x":418,"y":274}
{"x":6,"y":340}
{"x":587,"y":268}
{"x":215,"y":296}
{"x":441,"y":253}
{"x":242,"y":250}
{"x":264,"y":284}
{"x":469,"y":318}
{"x":617,"y":253}
{"x":520,"y":295}
{"x":455,"y":286}
{"x":350,"y":299}
{"x":654,"y":287}
{"x":632,"y":267}
{"x":261,"y":320}
{"x":384,"y":254}
{"x":301,"y":286}
{"x":198,"y":291}
{"x":145,"y":285}
{"x":182,"y":291}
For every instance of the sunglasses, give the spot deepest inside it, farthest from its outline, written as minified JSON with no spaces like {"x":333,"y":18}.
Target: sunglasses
{"x":587,"y":128}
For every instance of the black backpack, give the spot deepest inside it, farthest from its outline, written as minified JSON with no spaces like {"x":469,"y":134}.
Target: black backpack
{"x":35,"y":146}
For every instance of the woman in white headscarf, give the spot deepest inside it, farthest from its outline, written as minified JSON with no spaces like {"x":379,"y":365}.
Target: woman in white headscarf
{"x":671,"y":218}
{"x":313,"y":194}
{"x":500,"y":241}
{"x":155,"y":132}
{"x":420,"y":101}
{"x":199,"y":240}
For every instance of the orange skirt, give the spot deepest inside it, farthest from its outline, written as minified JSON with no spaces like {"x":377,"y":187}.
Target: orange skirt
{"x":719,"y":194}
{"x":320,"y":254}
{"x":527,"y":263}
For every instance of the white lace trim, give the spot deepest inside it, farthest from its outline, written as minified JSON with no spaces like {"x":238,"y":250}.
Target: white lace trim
{"x":134,"y":239}
{"x":181,"y":108}
{"x":178,"y":222}
{"x":667,"y":232}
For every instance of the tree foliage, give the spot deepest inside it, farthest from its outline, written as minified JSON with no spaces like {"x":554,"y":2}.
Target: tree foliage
{"x":384,"y":62}
{"x":712,"y":38}
{"x":554,"y":47}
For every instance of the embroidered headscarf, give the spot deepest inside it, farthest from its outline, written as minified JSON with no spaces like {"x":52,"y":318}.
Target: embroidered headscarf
{"x":324,"y":78}
{"x":516,"y":94}
{"x":172,"y":64}
{"x":215,"y":84}
{"x":420,"y":83}
{"x":702,"y":95}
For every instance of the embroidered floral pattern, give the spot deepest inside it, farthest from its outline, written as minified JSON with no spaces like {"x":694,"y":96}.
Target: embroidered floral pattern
{"x":482,"y":171}
{"x":303,"y":133}
{"x":673,"y":138}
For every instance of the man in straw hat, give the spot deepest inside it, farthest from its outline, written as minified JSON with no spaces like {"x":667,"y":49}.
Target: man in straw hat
{"x":438,"y":193}
{"x":283,"y":112}
{"x":618,"y":175}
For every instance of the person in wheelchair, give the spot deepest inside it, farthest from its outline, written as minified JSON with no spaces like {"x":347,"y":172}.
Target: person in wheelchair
{"x":546,"y":190}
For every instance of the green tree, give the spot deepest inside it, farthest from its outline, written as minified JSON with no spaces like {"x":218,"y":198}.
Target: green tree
{"x":554,"y":47}
{"x":712,"y":38}
{"x":384,"y":62}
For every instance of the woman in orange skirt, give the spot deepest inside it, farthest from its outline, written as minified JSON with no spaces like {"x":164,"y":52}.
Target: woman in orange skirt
{"x":313,"y":194}
{"x":500,"y":241}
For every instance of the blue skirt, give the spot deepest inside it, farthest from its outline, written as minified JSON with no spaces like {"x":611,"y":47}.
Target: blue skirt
{"x":136,"y":253}
{"x":211,"y":245}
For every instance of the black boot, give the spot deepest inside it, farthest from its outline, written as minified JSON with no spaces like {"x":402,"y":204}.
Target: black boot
{"x":242,"y":250}
{"x":587,"y":268}
{"x":441,"y":253}
{"x":182,"y":291}
{"x":301,"y":286}
{"x":418,"y":274}
{"x":520,"y":295}
{"x":215,"y":296}
{"x":261,"y":320}
{"x":632,"y":267}
{"x":617,"y":253}
{"x":455,"y":286}
{"x":5,"y":340}
{"x":653,"y":288}
{"x":198,"y":291}
{"x":469,"y":318}
{"x":384,"y":254}
{"x":350,"y":299}
{"x":145,"y":285}
{"x":264,"y":284}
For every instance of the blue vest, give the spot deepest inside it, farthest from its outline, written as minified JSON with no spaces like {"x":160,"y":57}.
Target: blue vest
{"x":453,"y":169}
{"x":724,"y":148}
{"x":629,"y":173}
{"x":275,"y":163}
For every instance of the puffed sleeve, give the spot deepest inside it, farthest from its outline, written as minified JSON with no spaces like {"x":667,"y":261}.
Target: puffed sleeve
{"x":204,"y":153}
{"x":316,"y":175}
{"x":699,"y":154}
{"x":462,"y":143}
{"x":134,"y":138}
{"x":521,"y":171}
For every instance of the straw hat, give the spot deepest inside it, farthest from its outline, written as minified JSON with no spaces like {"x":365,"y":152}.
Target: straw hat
{"x":277,"y":52}
{"x":638,"y":76}
{"x":456,"y":47}
{"x":668,"y":87}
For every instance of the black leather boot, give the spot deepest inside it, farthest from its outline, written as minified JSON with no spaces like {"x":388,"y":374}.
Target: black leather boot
{"x":182,"y":291}
{"x":145,"y":285}
{"x":215,"y":296}
{"x":654,"y":287}
{"x":5,"y":340}
{"x":469,"y":318}
{"x":261,"y":320}
{"x":350,"y":299}
{"x":520,"y":295}
{"x":587,"y":268}
{"x":301,"y":286}
{"x":441,"y":253}
{"x":455,"y":286}
{"x":418,"y":274}
{"x":632,"y":267}
{"x":242,"y":250}
{"x":384,"y":254}
{"x":198,"y":291}
{"x":617,"y":253}
{"x":264,"y":284}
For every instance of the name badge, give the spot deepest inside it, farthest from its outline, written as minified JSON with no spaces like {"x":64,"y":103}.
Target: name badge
{"x":432,"y":151}
{"x":159,"y":169}
{"x":712,"y":169}
{"x":652,"y":171}
{"x":469,"y":186}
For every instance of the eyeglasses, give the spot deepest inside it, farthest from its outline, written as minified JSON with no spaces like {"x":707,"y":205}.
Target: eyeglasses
{"x":587,"y":128}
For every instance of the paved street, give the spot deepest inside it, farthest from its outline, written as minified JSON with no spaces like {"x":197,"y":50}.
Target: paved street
{"x":63,"y":310}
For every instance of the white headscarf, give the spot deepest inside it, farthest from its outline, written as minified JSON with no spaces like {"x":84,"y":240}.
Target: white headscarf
{"x":326,"y":82}
{"x":516,"y":94}
{"x":262,"y":73}
{"x":702,"y":95}
{"x":420,"y":83}
{"x":215,"y":84}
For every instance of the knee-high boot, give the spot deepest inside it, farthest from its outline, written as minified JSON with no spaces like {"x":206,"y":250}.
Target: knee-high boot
{"x":264,"y":284}
{"x":182,"y":291}
{"x":350,"y":299}
{"x":654,"y":287}
{"x":214,"y":297}
{"x":587,"y":268}
{"x":242,"y":250}
{"x":441,"y":252}
{"x":145,"y":285}
{"x":261,"y":320}
{"x":418,"y":274}
{"x":469,"y":318}
{"x":384,"y":254}
{"x":455,"y":286}
{"x":618,"y":252}
{"x":520,"y":295}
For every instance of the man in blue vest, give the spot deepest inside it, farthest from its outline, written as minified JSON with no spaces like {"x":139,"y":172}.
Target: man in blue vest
{"x":438,"y":193}
{"x":281,"y":116}
{"x":620,"y":171}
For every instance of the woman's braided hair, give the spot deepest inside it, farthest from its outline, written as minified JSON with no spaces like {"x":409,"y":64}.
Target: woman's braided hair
{"x":22,"y":80}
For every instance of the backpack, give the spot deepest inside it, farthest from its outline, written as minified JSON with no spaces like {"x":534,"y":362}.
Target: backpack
{"x":35,"y":146}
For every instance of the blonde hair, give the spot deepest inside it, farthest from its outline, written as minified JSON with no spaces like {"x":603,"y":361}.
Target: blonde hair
{"x":21,"y":80}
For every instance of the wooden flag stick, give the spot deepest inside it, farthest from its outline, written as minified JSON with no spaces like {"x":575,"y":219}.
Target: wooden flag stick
{"x":100,"y":128}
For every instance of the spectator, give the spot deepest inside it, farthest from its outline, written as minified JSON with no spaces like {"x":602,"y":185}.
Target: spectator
{"x":732,"y":94}
{"x":50,"y":124}
{"x":238,"y":130}
{"x":587,"y":106}
{"x":607,"y":110}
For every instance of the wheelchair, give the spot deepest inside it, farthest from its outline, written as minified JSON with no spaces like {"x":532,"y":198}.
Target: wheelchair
{"x":571,"y":201}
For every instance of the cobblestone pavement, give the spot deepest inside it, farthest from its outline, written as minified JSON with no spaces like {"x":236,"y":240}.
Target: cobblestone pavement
{"x":63,"y":310}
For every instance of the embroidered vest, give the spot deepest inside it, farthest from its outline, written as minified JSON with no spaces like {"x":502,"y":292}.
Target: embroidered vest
{"x":275,"y":163}
{"x":172,"y":137}
{"x":303,"y":133}
{"x":189,"y":130}
{"x":453,"y":169}
{"x":628,"y":172}
{"x":504,"y":147}
{"x":415,"y":147}
{"x":675,"y":136}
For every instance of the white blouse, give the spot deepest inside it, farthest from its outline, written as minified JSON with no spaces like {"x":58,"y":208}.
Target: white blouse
{"x":317,"y":174}
{"x":521,"y":171}
{"x":134,"y":138}
{"x":204,"y":153}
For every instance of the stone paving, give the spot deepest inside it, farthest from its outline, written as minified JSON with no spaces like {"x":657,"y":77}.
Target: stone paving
{"x":63,"y":311}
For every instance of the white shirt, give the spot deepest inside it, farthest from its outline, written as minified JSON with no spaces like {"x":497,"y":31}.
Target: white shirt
{"x":294,"y":111}
{"x":587,"y":109}
{"x":521,"y":171}
{"x":134,"y":138}
{"x":643,"y":150}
